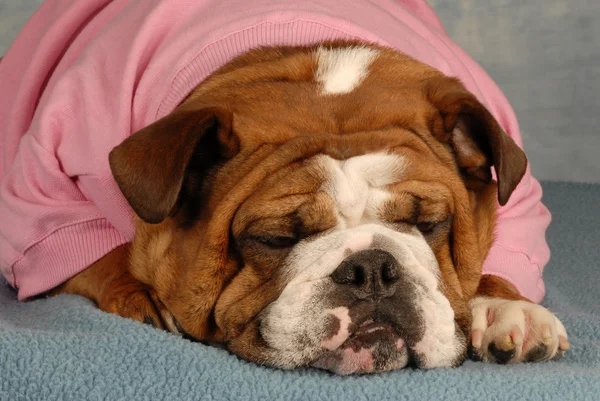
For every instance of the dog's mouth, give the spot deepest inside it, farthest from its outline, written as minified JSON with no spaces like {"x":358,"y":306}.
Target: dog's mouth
{"x":373,"y":346}
{"x":368,"y":333}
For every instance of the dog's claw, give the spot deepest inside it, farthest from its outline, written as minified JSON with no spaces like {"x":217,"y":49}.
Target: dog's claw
{"x":477,"y":338}
{"x":563,"y":343}
{"x":150,"y":321}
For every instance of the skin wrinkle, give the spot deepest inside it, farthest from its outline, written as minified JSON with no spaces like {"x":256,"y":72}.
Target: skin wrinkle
{"x":433,"y":150}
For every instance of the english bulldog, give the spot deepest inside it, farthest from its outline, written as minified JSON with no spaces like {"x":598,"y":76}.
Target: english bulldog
{"x":327,"y":206}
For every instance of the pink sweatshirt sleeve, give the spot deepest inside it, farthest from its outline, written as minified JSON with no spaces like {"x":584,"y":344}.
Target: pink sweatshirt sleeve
{"x":50,"y":225}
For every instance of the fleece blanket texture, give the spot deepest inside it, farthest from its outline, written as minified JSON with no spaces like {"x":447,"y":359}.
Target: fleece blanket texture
{"x":63,"y":348}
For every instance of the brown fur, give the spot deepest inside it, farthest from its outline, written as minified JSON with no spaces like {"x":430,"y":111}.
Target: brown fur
{"x":257,"y":121}
{"x":497,"y":287}
{"x":110,"y":285}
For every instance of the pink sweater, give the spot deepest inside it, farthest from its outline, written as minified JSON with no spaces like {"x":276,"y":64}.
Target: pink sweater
{"x":83,"y":75}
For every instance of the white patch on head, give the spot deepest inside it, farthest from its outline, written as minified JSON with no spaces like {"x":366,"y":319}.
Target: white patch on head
{"x":342,"y":69}
{"x":357,"y":185}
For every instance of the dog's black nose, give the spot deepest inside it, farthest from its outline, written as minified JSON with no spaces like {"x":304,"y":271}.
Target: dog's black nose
{"x":369,"y":274}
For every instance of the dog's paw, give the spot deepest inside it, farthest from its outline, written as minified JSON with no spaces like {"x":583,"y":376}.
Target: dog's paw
{"x":139,"y":303}
{"x":506,"y":331}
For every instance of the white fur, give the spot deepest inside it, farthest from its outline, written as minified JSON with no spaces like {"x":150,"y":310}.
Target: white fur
{"x":357,"y":185}
{"x":341,"y":70}
{"x":526,"y":318}
{"x":439,"y":345}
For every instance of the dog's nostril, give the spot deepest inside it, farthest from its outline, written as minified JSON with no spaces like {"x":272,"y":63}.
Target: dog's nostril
{"x":389,"y":272}
{"x":359,"y":275}
{"x":349,"y":273}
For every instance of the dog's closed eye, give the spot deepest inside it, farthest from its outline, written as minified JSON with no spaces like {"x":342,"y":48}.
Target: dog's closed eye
{"x":278,"y":242}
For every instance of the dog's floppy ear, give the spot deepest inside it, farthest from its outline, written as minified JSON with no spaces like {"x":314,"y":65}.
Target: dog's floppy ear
{"x":151,"y":165}
{"x":476,"y":137}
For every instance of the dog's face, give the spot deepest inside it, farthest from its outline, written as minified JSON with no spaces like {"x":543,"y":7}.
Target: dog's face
{"x":326,"y":206}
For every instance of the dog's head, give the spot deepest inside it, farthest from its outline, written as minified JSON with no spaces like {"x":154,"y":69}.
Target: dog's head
{"x":320,"y":206}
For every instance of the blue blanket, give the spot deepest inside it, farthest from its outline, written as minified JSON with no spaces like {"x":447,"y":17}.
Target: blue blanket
{"x":64,"y":348}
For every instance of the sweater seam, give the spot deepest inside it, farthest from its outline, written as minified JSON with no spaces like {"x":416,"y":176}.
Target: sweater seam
{"x":532,"y":264}
{"x":519,"y":251}
{"x":203,"y":49}
{"x":46,"y":236}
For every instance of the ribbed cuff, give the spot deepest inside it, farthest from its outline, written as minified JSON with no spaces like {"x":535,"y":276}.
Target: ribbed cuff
{"x":517,"y":269}
{"x":219,"y":53}
{"x":62,"y":255}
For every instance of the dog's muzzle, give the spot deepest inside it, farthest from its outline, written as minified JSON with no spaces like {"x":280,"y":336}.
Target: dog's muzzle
{"x":366,"y":299}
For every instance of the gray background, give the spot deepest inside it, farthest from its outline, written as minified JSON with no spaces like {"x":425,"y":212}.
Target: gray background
{"x":544,"y":54}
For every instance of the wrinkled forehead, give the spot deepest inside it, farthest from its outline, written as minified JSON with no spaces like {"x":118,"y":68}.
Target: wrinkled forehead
{"x":322,"y":192}
{"x":337,"y":89}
